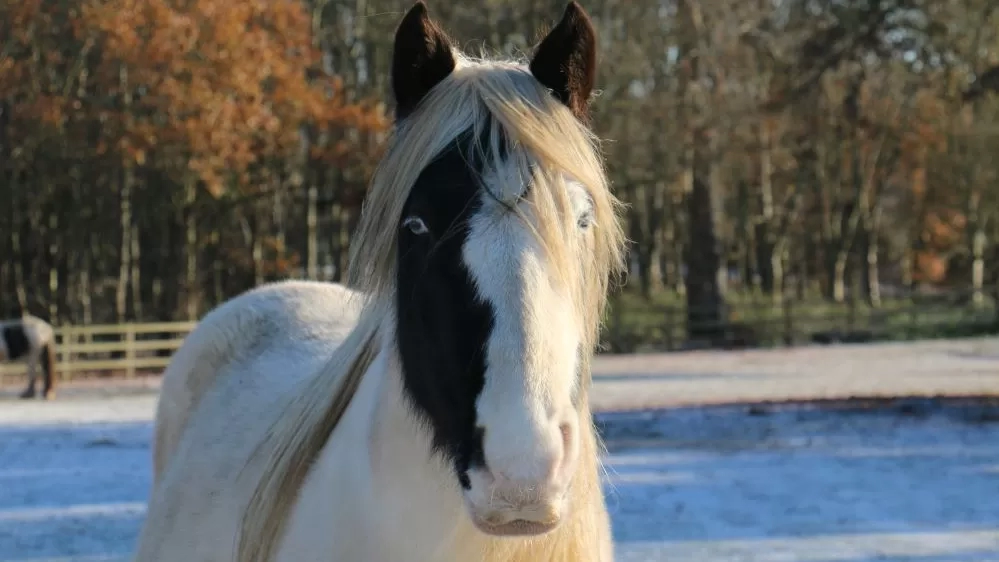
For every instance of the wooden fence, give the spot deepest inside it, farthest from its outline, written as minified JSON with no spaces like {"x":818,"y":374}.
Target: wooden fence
{"x":116,"y":349}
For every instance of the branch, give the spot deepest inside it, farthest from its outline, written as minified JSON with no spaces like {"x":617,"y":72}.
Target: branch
{"x":830,"y":47}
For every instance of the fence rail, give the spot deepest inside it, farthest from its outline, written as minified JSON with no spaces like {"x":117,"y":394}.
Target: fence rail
{"x":124,"y":349}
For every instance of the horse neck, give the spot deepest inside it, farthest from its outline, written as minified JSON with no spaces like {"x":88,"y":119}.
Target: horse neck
{"x":411,"y":489}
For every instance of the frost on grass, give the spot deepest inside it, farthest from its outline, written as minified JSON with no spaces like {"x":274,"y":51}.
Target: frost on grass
{"x":694,"y":484}
{"x":66,"y":493}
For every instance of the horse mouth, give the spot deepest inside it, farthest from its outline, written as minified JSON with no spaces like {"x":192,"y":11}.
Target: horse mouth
{"x":516,"y":527}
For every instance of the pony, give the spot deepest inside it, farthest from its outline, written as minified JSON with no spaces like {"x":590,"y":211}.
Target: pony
{"x":434,"y":408}
{"x":32,"y":340}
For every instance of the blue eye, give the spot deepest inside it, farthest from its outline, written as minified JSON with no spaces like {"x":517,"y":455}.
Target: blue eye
{"x":415,"y":225}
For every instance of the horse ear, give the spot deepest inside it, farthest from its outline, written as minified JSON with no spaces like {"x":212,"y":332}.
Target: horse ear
{"x":566,"y":60}
{"x":422,"y":57}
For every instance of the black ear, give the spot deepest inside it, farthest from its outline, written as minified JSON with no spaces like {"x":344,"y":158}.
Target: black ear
{"x":421,"y":58}
{"x":566,"y":60}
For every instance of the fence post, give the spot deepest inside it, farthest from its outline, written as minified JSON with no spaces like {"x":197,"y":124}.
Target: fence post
{"x":130,"y":350}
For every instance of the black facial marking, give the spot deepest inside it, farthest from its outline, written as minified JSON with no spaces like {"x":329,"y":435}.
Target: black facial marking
{"x":16,"y":341}
{"x":443,"y":326}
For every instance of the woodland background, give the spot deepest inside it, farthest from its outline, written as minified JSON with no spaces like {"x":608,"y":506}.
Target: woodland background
{"x":794,"y":169}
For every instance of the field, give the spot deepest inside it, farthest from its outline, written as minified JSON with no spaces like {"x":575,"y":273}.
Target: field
{"x":706,"y":462}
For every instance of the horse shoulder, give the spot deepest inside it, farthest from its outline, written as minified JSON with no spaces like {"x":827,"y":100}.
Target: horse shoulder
{"x":266,"y":318}
{"x":219,"y":397}
{"x":41,"y":332}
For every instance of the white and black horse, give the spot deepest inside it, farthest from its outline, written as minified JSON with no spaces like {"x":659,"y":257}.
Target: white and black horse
{"x":32,"y":340}
{"x":438,"y":410}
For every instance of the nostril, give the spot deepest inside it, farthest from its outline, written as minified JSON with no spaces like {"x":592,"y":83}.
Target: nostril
{"x":566,"y":430}
{"x":565,"y":453}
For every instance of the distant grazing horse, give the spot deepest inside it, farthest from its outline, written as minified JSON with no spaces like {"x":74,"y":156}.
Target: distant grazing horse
{"x":439,"y":411}
{"x":31,"y":340}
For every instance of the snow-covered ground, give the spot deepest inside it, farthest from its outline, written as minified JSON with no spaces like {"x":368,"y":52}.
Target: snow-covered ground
{"x":802,"y":485}
{"x":926,"y":368}
{"x":701,"y":484}
{"x":689,"y":484}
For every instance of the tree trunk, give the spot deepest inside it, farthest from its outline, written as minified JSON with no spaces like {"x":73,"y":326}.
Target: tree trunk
{"x":192,"y":291}
{"x":343,"y":231}
{"x":642,"y":247}
{"x":136,"y":275}
{"x":218,"y":268}
{"x":767,"y":259}
{"x":125,"y":246}
{"x":17,"y":250}
{"x":872,"y":281}
{"x":654,"y":219}
{"x":706,"y":278}
{"x":86,"y":304}
{"x":53,"y":247}
{"x":279,"y":260}
{"x":127,"y":183}
{"x":776,"y":266}
{"x":978,"y":244}
{"x":312,"y":233}
{"x":837,"y":274}
{"x":256,"y":246}
{"x":672,"y":261}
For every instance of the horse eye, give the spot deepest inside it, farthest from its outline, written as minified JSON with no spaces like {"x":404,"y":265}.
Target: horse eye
{"x":416,"y":225}
{"x":585,"y":220}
